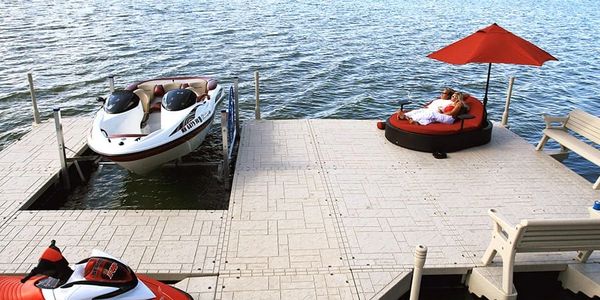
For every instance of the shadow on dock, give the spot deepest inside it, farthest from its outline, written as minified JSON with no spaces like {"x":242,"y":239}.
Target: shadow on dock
{"x":531,"y":285}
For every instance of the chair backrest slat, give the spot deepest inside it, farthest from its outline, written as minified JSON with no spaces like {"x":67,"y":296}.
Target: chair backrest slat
{"x":584,"y":124}
{"x":559,"y":235}
{"x":552,"y":246}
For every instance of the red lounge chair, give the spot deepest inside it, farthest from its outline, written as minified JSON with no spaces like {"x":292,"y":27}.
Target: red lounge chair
{"x":469,"y":130}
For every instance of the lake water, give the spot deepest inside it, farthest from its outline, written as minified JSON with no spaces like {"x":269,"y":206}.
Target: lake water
{"x":345,"y":59}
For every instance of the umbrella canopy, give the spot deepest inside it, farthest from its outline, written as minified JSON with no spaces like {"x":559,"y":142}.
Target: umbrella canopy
{"x":492,"y":44}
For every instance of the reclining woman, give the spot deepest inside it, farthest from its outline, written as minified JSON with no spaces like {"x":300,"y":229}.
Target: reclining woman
{"x":439,"y":103}
{"x":437,"y":113}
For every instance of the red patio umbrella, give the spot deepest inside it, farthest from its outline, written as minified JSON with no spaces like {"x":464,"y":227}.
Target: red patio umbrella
{"x":492,"y":44}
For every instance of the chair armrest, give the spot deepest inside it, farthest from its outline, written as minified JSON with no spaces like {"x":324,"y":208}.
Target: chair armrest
{"x":404,"y":102}
{"x":462,"y":118}
{"x":548,"y":119}
{"x":465,"y":116}
{"x":501,"y":223}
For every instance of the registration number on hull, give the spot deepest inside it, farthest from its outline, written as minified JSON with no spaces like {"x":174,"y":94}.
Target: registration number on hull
{"x":191,"y":124}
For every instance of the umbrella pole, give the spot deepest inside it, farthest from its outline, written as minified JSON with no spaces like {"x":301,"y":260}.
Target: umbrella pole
{"x":485,"y":98}
{"x":487,"y":85}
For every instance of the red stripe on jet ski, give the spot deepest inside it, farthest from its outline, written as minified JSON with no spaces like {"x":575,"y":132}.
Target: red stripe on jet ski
{"x":162,"y":148}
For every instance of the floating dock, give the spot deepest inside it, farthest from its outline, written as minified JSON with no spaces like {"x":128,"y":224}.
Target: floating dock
{"x":318,"y":209}
{"x":31,"y":164}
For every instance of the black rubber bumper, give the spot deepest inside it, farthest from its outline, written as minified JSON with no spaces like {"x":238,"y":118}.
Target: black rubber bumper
{"x":438,"y":143}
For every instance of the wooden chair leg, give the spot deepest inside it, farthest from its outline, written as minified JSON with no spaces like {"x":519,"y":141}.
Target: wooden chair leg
{"x":597,"y":184}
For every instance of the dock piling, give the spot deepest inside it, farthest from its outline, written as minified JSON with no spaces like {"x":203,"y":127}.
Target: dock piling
{"x":511,"y":81}
{"x":224,"y":135}
{"x":36,"y":113}
{"x":111,"y":82}
{"x":256,"y":95}
{"x":420,"y":255}
{"x":64,"y":172}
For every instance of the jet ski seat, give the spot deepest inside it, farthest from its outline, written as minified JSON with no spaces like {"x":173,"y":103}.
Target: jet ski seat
{"x":171,"y":86}
{"x":144,"y":98}
{"x":11,"y":288}
{"x":200,"y":88}
{"x":159,"y":90}
{"x":100,"y":269}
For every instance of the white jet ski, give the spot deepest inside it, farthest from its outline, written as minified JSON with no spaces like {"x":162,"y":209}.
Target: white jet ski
{"x":155,"y":121}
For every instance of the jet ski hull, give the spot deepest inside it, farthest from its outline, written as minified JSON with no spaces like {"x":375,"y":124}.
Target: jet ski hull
{"x":140,"y":135}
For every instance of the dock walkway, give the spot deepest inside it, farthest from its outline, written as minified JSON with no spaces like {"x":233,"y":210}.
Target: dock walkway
{"x":30,"y":164}
{"x":321,"y":209}
{"x":331,"y":209}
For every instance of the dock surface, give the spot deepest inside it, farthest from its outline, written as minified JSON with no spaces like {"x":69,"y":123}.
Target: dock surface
{"x":321,"y":209}
{"x":30,"y":164}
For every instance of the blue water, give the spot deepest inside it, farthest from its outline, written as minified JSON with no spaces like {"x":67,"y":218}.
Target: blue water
{"x":346,"y":59}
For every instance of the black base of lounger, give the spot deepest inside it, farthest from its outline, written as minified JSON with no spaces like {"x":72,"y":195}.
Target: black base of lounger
{"x":438,"y":143}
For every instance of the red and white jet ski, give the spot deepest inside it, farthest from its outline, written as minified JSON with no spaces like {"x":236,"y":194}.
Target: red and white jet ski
{"x":98,"y":277}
